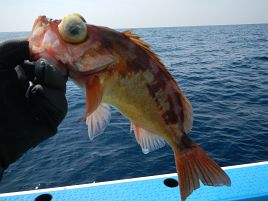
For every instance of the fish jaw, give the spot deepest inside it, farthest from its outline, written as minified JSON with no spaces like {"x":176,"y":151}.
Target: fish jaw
{"x":44,"y":43}
{"x":36,"y":37}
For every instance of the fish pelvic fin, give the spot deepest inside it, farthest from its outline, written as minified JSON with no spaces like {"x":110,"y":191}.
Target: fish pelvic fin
{"x":97,"y":114}
{"x":147,"y":140}
{"x":192,"y":165}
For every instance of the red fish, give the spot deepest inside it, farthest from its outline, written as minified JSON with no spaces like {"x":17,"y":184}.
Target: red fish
{"x":118,"y":69}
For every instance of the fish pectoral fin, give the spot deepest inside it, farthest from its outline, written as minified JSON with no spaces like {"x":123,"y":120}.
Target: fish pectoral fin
{"x":97,"y":114}
{"x":147,"y":140}
{"x":98,"y":120}
{"x":94,"y":93}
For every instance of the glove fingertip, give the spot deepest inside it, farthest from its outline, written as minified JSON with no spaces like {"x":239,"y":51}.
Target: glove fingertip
{"x":37,"y":90}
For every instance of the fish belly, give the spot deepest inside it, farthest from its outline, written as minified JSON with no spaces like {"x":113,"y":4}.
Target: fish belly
{"x":131,"y":96}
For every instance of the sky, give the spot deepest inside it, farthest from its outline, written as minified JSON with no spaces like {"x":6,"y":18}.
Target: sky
{"x":19,"y":15}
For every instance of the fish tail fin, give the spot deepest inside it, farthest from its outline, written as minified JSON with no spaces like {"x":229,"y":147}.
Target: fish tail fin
{"x":193,"y":164}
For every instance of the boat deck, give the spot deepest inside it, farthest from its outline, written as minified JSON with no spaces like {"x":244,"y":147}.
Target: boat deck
{"x":249,"y":183}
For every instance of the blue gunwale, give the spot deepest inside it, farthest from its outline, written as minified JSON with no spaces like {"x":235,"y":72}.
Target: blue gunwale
{"x":249,"y":182}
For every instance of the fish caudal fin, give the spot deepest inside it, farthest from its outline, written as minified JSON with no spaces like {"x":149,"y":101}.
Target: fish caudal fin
{"x":193,"y":165}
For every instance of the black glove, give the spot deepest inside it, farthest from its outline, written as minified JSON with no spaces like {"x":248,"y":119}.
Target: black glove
{"x":46,"y":95}
{"x":32,"y":101}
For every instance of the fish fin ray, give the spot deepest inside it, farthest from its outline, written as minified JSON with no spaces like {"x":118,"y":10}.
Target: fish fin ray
{"x":131,"y":128}
{"x":98,"y":120}
{"x":193,"y":165}
{"x":147,"y":140}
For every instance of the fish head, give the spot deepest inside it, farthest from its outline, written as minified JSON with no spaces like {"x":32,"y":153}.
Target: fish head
{"x":73,"y":45}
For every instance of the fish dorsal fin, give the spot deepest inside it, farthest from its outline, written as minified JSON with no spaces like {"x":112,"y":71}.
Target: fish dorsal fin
{"x":147,"y":140}
{"x":97,"y":113}
{"x":136,"y":39}
{"x":98,"y":120}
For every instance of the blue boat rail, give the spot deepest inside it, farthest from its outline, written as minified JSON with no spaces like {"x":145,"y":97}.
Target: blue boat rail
{"x":249,"y":183}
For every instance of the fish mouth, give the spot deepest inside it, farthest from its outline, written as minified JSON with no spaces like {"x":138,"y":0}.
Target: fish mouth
{"x":43,"y":21}
{"x":36,"y":37}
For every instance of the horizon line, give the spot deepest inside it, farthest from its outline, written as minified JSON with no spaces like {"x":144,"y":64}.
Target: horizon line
{"x":155,"y":27}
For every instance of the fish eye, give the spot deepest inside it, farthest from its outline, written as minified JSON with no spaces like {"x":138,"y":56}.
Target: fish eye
{"x":73,"y":28}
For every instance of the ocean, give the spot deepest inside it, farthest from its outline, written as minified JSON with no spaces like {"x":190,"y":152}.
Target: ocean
{"x":223,"y":70}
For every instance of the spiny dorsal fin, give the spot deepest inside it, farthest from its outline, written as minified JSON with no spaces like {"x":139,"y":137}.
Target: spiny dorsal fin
{"x":136,"y":39}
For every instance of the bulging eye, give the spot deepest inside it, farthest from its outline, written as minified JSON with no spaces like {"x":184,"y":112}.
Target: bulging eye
{"x":73,"y":28}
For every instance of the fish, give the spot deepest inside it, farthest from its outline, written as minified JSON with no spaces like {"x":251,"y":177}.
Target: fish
{"x":119,"y":69}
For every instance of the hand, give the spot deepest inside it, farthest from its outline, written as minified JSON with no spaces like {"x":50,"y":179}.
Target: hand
{"x":46,"y":94}
{"x":32,"y":101}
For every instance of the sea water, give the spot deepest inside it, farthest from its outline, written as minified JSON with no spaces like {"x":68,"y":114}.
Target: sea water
{"x":223,"y":70}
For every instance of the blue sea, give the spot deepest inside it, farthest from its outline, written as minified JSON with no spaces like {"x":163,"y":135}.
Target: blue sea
{"x":223,"y":70}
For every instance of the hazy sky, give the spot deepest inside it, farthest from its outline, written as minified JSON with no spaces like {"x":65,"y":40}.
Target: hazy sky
{"x":19,"y":15}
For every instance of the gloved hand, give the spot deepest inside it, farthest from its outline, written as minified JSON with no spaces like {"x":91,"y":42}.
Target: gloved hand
{"x":32,"y":101}
{"x":46,"y":94}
